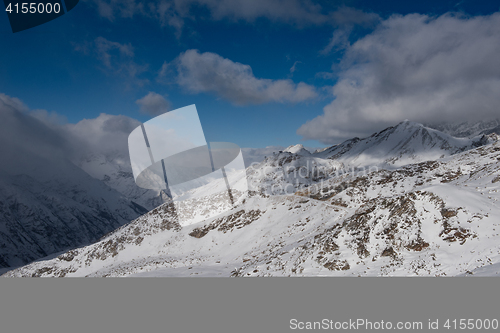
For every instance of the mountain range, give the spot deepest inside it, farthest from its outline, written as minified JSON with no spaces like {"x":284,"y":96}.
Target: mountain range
{"x":47,"y":203}
{"x":469,"y":128}
{"x":409,"y":200}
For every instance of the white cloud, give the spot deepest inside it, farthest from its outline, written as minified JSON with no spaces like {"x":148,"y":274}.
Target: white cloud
{"x":348,"y":16}
{"x":174,"y":13}
{"x":105,"y":10}
{"x":294,"y":67}
{"x":166,"y":74}
{"x":25,"y":138}
{"x":233,"y":81}
{"x":169,"y":14}
{"x":110,"y":9}
{"x":48,"y":133}
{"x":289,"y":11}
{"x":12,"y":103}
{"x":104,"y":134}
{"x":427,"y":69}
{"x":117,"y":58}
{"x":295,"y":12}
{"x":104,"y":48}
{"x":339,"y":40}
{"x":153,"y":104}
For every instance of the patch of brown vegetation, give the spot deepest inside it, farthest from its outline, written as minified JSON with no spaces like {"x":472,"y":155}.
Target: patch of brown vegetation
{"x":41,"y":271}
{"x":339,"y":202}
{"x":337,"y":265}
{"x":236,"y":220}
{"x":447,"y":213}
{"x":68,"y":256}
{"x":450,"y":176}
{"x":417,"y":245}
{"x":454,"y":234}
{"x":389,"y":252}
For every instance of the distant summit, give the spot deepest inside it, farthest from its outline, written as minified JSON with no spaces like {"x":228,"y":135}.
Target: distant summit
{"x":297,"y":149}
{"x":468,"y":128}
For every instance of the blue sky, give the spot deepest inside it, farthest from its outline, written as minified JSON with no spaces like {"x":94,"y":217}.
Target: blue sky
{"x":258,"y":73}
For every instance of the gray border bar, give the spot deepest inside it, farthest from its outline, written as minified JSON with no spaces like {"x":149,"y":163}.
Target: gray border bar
{"x":236,"y":304}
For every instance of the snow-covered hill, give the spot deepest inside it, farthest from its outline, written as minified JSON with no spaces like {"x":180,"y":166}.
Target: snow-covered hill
{"x":437,"y":217}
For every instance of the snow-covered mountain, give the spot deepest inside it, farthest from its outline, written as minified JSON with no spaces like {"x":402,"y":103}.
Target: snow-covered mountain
{"x":406,"y":143}
{"x":256,"y":155}
{"x":469,"y":129}
{"x":298,"y":149}
{"x":113,"y":168}
{"x":64,"y":186}
{"x":41,"y":216}
{"x":294,"y":168}
{"x":48,"y":204}
{"x":429,"y":217}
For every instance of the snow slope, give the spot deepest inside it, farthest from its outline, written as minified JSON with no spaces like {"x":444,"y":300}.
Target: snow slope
{"x":50,"y":204}
{"x":437,"y":217}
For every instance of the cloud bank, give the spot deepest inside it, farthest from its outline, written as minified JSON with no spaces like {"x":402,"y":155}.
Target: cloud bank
{"x":25,"y":140}
{"x":102,"y":135}
{"x":47,"y":135}
{"x":43,"y":135}
{"x":427,"y":69}
{"x":210,"y":73}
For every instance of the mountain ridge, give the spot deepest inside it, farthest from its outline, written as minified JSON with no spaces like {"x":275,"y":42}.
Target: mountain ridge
{"x":431,"y":217}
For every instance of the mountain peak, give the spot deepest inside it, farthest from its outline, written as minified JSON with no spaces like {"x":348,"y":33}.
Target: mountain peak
{"x":297,"y":149}
{"x":409,"y":124}
{"x":405,"y":143}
